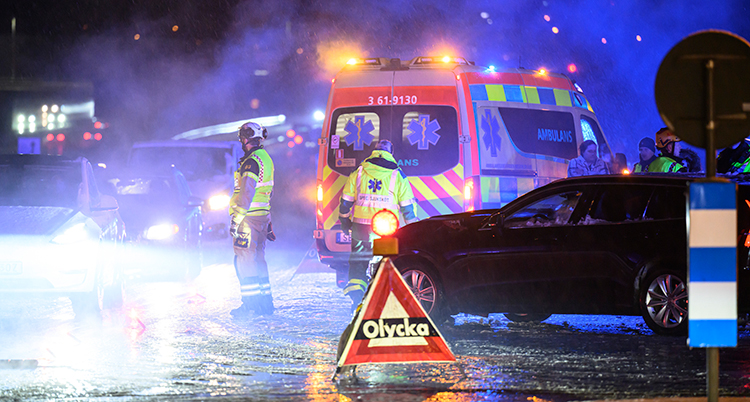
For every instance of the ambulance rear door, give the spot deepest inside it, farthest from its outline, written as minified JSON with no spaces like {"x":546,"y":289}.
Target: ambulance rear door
{"x":425,"y":135}
{"x":357,"y":116}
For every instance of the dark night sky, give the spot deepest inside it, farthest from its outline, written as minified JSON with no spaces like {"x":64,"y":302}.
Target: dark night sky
{"x":170,"y":81}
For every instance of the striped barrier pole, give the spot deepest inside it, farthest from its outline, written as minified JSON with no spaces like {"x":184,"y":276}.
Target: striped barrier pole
{"x":712,"y":272}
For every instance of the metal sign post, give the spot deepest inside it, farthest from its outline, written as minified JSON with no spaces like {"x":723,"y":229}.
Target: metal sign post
{"x":702,"y":91}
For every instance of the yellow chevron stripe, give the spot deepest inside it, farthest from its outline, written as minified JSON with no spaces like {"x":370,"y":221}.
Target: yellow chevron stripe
{"x":422,"y":188}
{"x":337,"y":185}
{"x":330,"y":221}
{"x":459,"y":169}
{"x":448,"y":186}
{"x":455,"y":193}
{"x":330,"y":218}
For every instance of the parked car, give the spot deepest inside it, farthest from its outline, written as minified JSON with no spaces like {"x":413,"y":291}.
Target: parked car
{"x":164,"y":224}
{"x":208,"y":167}
{"x":589,"y":245}
{"x":58,"y":234}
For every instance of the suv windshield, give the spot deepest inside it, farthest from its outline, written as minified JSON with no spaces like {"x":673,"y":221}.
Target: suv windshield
{"x":151,"y":191}
{"x":196,"y":163}
{"x":425,"y":138}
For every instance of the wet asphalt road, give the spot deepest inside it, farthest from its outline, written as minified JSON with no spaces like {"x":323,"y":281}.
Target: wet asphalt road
{"x":175,"y":340}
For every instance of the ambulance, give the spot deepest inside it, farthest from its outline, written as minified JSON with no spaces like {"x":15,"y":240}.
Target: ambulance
{"x":467,"y":137}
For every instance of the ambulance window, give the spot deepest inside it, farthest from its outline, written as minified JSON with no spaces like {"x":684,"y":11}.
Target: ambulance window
{"x":541,"y":132}
{"x":429,"y":139}
{"x":591,"y":131}
{"x":353,"y":137}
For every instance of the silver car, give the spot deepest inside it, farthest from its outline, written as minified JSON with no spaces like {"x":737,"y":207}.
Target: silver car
{"x":58,"y":234}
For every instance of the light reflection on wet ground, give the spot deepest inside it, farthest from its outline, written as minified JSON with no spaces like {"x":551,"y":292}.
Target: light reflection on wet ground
{"x":176,"y":340}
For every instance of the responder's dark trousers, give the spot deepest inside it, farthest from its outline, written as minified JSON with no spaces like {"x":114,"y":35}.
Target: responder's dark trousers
{"x":250,"y":262}
{"x":359,"y":260}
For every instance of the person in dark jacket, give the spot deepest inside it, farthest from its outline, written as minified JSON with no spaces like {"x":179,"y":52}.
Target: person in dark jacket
{"x":734,"y":159}
{"x":691,"y":160}
{"x":646,"y":153}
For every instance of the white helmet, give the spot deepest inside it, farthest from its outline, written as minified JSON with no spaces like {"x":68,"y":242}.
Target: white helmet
{"x":251,"y":130}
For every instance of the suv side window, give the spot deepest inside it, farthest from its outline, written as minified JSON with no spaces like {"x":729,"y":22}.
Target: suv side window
{"x":620,"y":204}
{"x":667,"y":203}
{"x":554,"y":210}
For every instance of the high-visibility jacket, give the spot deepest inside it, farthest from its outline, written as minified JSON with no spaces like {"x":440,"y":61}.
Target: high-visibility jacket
{"x":666,"y":164}
{"x":643,"y":166}
{"x":373,"y":187}
{"x":734,"y":160}
{"x":253,"y":185}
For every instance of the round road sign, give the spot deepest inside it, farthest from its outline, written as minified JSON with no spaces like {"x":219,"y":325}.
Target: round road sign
{"x":686,"y":89}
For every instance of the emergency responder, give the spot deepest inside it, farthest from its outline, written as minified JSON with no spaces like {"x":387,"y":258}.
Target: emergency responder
{"x":646,"y":154}
{"x":669,"y":146}
{"x":734,"y":159}
{"x":251,"y":223}
{"x":378,"y":183}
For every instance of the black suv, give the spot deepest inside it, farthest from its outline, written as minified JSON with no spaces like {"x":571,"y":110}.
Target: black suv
{"x":588,"y":245}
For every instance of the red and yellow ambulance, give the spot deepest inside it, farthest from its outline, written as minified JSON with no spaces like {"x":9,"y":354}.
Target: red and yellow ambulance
{"x":467,"y":137}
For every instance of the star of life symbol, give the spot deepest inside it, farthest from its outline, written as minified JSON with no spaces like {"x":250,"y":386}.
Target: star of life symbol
{"x":375,"y":184}
{"x":491,"y":129}
{"x":359,"y":132}
{"x":423,"y":131}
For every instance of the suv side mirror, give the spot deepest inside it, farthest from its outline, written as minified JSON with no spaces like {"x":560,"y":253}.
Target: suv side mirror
{"x":106,"y":203}
{"x":194,"y":201}
{"x":493,"y":222}
{"x":496,"y":221}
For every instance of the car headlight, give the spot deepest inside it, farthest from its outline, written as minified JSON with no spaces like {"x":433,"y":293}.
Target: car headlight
{"x":73,"y":234}
{"x":219,"y":201}
{"x":162,"y":231}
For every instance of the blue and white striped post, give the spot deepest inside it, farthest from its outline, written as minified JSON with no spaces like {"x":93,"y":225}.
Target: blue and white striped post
{"x":712,"y":273}
{"x":712,"y":262}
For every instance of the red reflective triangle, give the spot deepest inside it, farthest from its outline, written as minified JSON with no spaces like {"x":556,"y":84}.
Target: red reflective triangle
{"x":392,"y":327}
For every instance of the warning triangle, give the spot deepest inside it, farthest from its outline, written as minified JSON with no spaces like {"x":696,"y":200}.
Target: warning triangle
{"x":392,"y":327}
{"x":310,"y":263}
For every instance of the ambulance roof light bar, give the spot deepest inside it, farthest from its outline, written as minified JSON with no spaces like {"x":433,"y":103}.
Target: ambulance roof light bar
{"x":369,"y":61}
{"x":440,"y":60}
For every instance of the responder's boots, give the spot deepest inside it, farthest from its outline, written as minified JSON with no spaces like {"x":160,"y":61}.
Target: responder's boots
{"x":246,"y":308}
{"x":265,"y":305}
{"x":356,"y":296}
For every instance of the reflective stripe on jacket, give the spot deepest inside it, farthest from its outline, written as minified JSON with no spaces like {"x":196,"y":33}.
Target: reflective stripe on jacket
{"x":665,"y":164}
{"x":256,"y":168}
{"x":372,"y":188}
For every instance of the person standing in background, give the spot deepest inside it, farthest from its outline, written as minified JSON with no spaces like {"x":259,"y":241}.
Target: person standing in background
{"x":587,"y":163}
{"x":646,"y":153}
